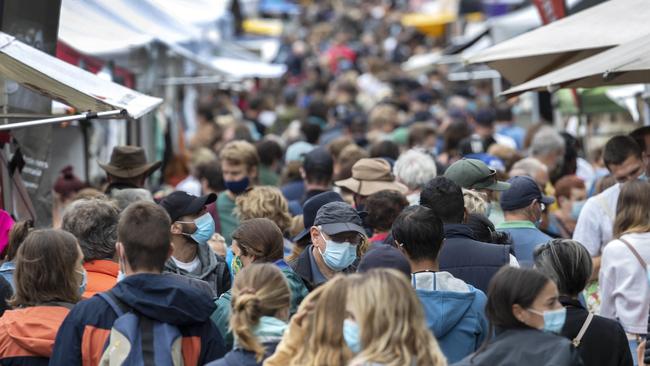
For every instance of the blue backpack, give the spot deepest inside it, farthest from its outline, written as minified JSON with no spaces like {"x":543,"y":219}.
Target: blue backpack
{"x":138,"y":340}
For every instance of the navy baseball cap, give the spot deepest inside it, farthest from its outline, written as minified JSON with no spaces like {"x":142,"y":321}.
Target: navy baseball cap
{"x":311,"y":207}
{"x":179,"y":204}
{"x":339,"y":217}
{"x":522,"y":192}
{"x":384,"y":256}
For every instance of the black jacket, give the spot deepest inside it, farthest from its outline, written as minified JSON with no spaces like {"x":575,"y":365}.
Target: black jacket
{"x":525,"y":346}
{"x":470,"y":260}
{"x":604,"y":342}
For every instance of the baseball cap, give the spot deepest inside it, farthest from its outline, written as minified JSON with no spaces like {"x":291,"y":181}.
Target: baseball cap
{"x":318,"y":160}
{"x":474,"y":174}
{"x":522,"y":192}
{"x":311,"y":207}
{"x":338,"y":217}
{"x":484,"y":117}
{"x":384,"y":256}
{"x":180,"y":203}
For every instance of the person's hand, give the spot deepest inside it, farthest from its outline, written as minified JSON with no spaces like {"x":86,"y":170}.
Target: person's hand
{"x":640,"y":351}
{"x":218,"y":244}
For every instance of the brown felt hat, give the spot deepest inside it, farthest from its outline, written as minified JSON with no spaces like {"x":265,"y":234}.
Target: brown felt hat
{"x":128,"y":162}
{"x":370,"y":176}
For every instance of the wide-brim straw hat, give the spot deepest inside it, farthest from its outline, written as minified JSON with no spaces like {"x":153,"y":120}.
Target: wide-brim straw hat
{"x":370,"y":176}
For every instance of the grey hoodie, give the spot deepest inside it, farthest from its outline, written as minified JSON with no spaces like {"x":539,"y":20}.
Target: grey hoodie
{"x":213,"y":270}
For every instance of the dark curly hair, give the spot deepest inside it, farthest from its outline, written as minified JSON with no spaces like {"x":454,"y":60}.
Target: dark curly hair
{"x":383,"y":208}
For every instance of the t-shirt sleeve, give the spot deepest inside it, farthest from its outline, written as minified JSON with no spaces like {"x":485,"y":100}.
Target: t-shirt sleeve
{"x":588,"y":231}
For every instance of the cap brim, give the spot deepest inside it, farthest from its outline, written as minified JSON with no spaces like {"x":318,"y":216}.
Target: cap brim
{"x":198,"y":204}
{"x":301,"y":235}
{"x":146,"y":169}
{"x":547,"y":200}
{"x":498,"y":186}
{"x":342,"y":227}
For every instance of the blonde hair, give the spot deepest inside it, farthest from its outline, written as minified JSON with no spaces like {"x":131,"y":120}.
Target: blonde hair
{"x":240,"y":152}
{"x":259,"y":290}
{"x":324,"y":344}
{"x":264,"y":202}
{"x":475,"y":202}
{"x":391,"y":321}
{"x":632,"y":214}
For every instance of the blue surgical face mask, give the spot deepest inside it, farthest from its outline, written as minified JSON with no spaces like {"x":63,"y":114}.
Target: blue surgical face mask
{"x":338,"y":256}
{"x":351,"y":335}
{"x":576,"y":208}
{"x":204,"y":228}
{"x":237,"y":186}
{"x":84,"y":282}
{"x":553,"y":319}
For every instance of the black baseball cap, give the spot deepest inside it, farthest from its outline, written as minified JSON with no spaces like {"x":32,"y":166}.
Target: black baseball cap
{"x":339,"y":217}
{"x":311,"y":207}
{"x":180,"y":203}
{"x":522,"y":192}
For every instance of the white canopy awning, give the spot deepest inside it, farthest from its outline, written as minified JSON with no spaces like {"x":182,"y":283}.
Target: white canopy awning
{"x":66,"y":83}
{"x":625,"y":64}
{"x":244,"y":69}
{"x":568,"y":40}
{"x":83,"y":23}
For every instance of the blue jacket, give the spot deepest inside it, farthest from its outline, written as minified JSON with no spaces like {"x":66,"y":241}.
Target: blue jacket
{"x":454,"y":311}
{"x":525,"y":237}
{"x":241,"y":357}
{"x":84,"y":333}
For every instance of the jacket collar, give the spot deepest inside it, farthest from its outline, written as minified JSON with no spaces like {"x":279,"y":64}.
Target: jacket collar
{"x":567,"y":301}
{"x":517,"y":224}
{"x":458,"y":231}
{"x":104,"y":266}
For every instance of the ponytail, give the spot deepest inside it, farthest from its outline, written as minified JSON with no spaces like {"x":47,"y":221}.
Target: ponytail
{"x":259,"y":290}
{"x":246,"y":314}
{"x":17,"y":235}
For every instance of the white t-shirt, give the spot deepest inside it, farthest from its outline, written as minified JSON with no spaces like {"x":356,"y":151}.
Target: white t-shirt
{"x":596,"y":221}
{"x":189,"y":267}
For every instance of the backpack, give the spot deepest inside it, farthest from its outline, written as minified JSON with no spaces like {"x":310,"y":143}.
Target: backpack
{"x":138,"y":340}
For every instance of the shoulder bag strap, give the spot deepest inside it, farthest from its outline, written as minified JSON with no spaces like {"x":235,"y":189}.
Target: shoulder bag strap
{"x":118,"y":306}
{"x":636,"y":254}
{"x":576,"y":341}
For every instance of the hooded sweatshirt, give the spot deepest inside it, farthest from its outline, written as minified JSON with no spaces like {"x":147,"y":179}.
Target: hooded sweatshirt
{"x":84,"y":333}
{"x":213,"y":270}
{"x":454,"y":311}
{"x":27,"y":334}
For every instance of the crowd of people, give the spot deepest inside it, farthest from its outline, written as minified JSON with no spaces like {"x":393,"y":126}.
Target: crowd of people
{"x":346,"y":214}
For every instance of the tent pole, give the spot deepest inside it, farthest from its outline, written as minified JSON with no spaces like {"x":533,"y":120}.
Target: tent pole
{"x":76,"y":117}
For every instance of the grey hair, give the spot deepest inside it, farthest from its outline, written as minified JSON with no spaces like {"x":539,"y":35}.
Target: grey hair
{"x":125,"y":197}
{"x":546,"y":141}
{"x":527,"y":166}
{"x":94,"y":223}
{"x":475,"y":202}
{"x":567,"y":262}
{"x":415,"y":168}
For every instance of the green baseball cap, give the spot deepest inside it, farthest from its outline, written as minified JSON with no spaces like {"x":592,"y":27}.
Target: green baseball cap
{"x":474,"y":174}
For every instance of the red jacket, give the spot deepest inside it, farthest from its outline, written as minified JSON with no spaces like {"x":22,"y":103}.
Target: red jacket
{"x":27,"y":334}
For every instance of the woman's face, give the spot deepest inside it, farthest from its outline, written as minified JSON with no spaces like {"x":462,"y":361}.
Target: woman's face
{"x":245,"y":259}
{"x":546,"y":300}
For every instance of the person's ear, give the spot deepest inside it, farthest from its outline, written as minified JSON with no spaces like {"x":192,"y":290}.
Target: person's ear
{"x":303,"y":175}
{"x":519,"y":313}
{"x":252,"y":172}
{"x":315,"y":236}
{"x":176,"y":228}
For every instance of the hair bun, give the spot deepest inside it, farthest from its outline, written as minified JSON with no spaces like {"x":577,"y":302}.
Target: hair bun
{"x":247,"y":302}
